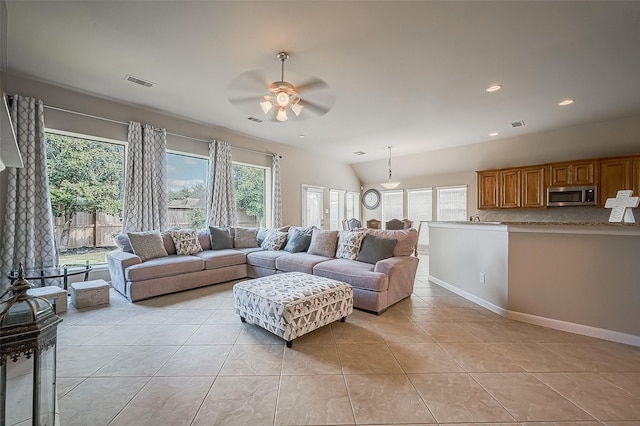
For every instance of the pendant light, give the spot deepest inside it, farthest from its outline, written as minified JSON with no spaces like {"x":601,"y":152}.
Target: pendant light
{"x":390,"y":184}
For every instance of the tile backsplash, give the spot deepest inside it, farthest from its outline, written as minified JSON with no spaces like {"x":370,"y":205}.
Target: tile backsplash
{"x":551,"y":214}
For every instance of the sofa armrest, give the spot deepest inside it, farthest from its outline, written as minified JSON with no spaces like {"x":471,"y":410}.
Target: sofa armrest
{"x":118,"y":262}
{"x":401,"y":271}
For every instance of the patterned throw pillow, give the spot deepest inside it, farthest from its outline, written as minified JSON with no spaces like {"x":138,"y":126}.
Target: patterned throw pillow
{"x":147,"y":245}
{"x":349,"y":244}
{"x":323,"y":243}
{"x":186,"y":241}
{"x":275,"y":240}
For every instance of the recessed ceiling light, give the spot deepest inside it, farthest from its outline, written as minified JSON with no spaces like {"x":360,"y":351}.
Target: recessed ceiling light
{"x":494,"y":88}
{"x":301,"y":136}
{"x":493,"y":134}
{"x":566,"y":102}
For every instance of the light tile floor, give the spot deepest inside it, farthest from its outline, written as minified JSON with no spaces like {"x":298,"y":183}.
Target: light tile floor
{"x":186,"y":359}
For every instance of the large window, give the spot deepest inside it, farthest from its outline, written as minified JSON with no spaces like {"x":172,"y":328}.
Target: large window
{"x":186,"y":186}
{"x":252,"y":185}
{"x":312,"y":206}
{"x":336,"y":208}
{"x":353,"y":205}
{"x":86,"y":183}
{"x":420,"y":205}
{"x":392,"y":205}
{"x":452,"y":203}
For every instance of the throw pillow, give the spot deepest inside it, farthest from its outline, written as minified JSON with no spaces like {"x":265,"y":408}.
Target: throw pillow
{"x":245,"y":237}
{"x":375,"y":248}
{"x":147,"y":245}
{"x":323,"y":243}
{"x":349,"y":244}
{"x":297,"y":241}
{"x":220,"y":238}
{"x":122,"y":241}
{"x":186,"y":241}
{"x":275,"y":240}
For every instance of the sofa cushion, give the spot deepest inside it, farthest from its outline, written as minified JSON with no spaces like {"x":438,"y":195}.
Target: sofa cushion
{"x":323,"y":243}
{"x":375,"y":248}
{"x":349,"y":244}
{"x":220,"y":238}
{"x":164,"y":267}
{"x":297,"y":240}
{"x":186,"y":241}
{"x":214,"y":259}
{"x":358,"y":274}
{"x":407,"y":239}
{"x":275,"y":240}
{"x":245,"y":237}
{"x":299,"y":262}
{"x":147,"y":245}
{"x":265,"y":258}
{"x":204,"y":237}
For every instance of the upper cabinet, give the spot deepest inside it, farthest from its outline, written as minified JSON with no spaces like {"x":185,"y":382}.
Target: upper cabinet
{"x":511,"y":188}
{"x":488,"y":190}
{"x":574,"y":173}
{"x":617,"y":174}
{"x":533,"y":187}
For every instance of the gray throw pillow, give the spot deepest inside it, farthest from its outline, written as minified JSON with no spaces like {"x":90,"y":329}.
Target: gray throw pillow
{"x":375,"y":248}
{"x":297,"y":241}
{"x":147,"y":245}
{"x":323,"y":243}
{"x":245,"y":237}
{"x":220,"y":238}
{"x":122,"y":241}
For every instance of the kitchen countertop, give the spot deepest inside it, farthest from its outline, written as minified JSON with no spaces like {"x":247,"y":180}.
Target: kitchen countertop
{"x":551,"y":227}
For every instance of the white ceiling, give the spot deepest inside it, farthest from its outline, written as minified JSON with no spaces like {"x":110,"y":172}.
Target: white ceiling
{"x":411,"y":74}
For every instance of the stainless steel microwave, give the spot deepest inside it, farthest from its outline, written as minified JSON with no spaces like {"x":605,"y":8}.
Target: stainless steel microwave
{"x":561,"y":196}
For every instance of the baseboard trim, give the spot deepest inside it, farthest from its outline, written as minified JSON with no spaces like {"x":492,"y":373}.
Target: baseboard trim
{"x":586,"y":330}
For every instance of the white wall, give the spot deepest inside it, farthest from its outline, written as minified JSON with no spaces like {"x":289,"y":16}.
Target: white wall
{"x":298,"y":167}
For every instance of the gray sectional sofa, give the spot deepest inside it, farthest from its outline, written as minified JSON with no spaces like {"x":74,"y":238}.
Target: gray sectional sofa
{"x":375,"y":286}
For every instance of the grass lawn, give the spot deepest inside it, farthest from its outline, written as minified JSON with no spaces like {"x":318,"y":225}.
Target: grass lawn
{"x":80,"y":256}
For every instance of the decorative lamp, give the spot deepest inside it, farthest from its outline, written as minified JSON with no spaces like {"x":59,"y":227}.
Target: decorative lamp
{"x":390,"y":184}
{"x":28,"y":335}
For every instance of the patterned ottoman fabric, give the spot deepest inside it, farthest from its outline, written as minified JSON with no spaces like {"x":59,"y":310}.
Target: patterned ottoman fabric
{"x":292,"y":304}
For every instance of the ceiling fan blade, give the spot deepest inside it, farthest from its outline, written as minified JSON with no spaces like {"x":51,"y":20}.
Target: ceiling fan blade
{"x":312,"y":84}
{"x":244,"y":99}
{"x":253,"y":81}
{"x":315,"y":108}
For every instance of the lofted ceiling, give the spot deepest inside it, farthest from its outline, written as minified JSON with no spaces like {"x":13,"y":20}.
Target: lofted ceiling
{"x":411,"y":74}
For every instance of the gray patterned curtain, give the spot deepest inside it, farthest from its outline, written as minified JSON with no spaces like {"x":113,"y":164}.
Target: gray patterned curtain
{"x":145,"y":193}
{"x":276,"y":192}
{"x":221,"y":198}
{"x":28,"y":234}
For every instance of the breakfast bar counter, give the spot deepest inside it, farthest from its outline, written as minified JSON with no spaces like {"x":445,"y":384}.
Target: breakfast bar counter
{"x":580,"y":277}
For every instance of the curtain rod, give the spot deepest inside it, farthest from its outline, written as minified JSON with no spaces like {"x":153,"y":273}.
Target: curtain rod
{"x":169,"y":133}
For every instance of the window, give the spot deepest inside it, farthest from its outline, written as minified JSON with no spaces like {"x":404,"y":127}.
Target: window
{"x":252,"y":185}
{"x":312,"y":206}
{"x":392,"y":205}
{"x":186,"y":190}
{"x":452,"y":203}
{"x":86,"y":184}
{"x":420,"y":206}
{"x":353,"y":205}
{"x":336,"y":208}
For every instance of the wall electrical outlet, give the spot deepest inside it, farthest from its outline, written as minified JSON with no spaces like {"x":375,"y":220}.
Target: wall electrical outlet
{"x":481,"y":277}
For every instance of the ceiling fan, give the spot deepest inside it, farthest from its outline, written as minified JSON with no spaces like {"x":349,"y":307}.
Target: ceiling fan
{"x":280,"y":100}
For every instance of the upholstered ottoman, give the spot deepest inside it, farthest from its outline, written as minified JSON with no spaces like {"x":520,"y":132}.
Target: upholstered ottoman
{"x":292,"y":304}
{"x":89,"y":293}
{"x":53,"y":294}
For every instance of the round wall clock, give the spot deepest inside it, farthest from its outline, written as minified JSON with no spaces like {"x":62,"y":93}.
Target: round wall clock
{"x":371,"y":199}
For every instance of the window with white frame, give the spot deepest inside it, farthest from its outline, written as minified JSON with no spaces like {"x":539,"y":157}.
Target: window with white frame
{"x":420,"y":206}
{"x":392,"y":205}
{"x":353,"y":205}
{"x":336,"y":208}
{"x":452,"y":203}
{"x":252,"y":186}
{"x":186,"y":189}
{"x":312,"y":206}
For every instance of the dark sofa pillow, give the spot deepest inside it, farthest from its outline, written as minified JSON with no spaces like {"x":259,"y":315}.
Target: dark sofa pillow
{"x":297,"y":241}
{"x":375,"y":248}
{"x":220,"y":238}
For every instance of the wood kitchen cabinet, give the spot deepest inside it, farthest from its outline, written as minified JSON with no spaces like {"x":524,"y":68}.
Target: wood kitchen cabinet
{"x":532,"y":193}
{"x":617,"y":174}
{"x":500,"y":189}
{"x":509,"y":190}
{"x":488,"y":190}
{"x":574,"y":173}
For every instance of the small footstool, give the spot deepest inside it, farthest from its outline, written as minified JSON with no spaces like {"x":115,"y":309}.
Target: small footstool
{"x":53,"y":294}
{"x":292,"y":304}
{"x":89,"y":293}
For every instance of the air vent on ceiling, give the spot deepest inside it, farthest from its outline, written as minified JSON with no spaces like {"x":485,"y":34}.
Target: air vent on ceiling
{"x":359,"y":153}
{"x":256,"y":120}
{"x":137,"y":80}
{"x":517,"y":124}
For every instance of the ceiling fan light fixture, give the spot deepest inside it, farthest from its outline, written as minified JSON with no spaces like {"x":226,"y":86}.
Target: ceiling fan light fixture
{"x":282,"y":99}
{"x":297,"y":108}
{"x":266,"y":106}
{"x":390,"y":184}
{"x":281,"y":115}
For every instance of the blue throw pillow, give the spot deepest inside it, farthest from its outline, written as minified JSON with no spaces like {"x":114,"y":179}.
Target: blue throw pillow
{"x":375,"y":248}
{"x":220,"y":238}
{"x":298,"y":241}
